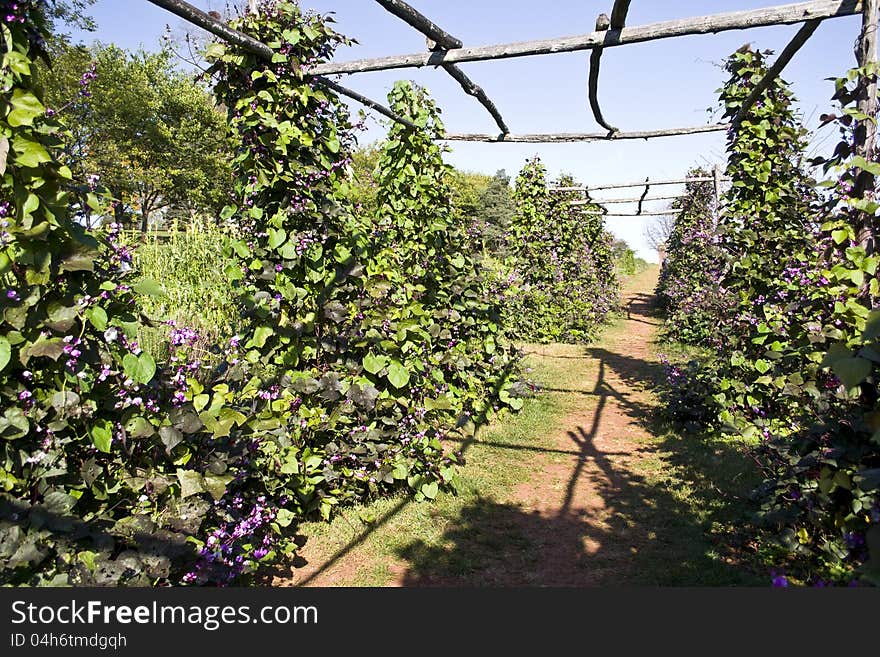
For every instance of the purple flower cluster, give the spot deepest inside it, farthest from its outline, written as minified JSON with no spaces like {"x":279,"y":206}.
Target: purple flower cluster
{"x":224,"y":555}
{"x":85,"y":82}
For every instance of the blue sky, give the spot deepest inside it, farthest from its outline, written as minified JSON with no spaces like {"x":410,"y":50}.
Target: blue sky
{"x":668,"y":83}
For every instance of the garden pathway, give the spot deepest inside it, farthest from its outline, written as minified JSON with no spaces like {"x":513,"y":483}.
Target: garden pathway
{"x":579,"y":489}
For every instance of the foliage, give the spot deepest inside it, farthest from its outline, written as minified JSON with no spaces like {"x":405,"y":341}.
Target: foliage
{"x":118,"y":469}
{"x":362,"y":344}
{"x":795,"y":364}
{"x":96,"y":476}
{"x":688,"y":288}
{"x":562,"y":267}
{"x":150,"y":134}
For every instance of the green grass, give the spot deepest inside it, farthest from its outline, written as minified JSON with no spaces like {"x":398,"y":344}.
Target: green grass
{"x":189,"y":267}
{"x":489,"y":470}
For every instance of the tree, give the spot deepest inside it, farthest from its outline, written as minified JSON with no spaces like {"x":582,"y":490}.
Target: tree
{"x":151,"y":135}
{"x":657,"y":233}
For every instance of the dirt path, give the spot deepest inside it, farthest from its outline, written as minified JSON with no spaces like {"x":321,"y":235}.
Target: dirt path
{"x":579,"y":490}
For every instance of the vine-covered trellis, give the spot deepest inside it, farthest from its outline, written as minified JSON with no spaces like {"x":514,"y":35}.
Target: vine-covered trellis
{"x":446,"y":51}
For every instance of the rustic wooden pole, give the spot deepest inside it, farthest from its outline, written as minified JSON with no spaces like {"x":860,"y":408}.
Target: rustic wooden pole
{"x":422,"y":23}
{"x":866,"y":129}
{"x":737,"y":20}
{"x":773,"y":72}
{"x":439,"y":39}
{"x":618,"y":14}
{"x":644,"y":196}
{"x":220,"y":29}
{"x":565,"y":137}
{"x":603,"y":24}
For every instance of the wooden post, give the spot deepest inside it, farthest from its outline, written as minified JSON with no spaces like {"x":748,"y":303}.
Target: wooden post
{"x":866,"y":130}
{"x":716,"y":184}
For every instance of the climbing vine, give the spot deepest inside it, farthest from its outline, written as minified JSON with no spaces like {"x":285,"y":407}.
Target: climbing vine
{"x":561,"y":263}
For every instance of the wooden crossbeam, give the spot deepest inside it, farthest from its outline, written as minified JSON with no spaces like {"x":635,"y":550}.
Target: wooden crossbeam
{"x":564,"y":137}
{"x":774,"y":71}
{"x":737,"y":20}
{"x":443,"y":40}
{"x":610,"y":201}
{"x":220,"y":29}
{"x":641,"y":183}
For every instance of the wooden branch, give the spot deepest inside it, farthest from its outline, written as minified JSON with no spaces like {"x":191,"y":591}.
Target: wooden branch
{"x":653,"y":183}
{"x":866,"y":130}
{"x":444,"y":40}
{"x":617,"y":22}
{"x":220,"y":29}
{"x":367,"y":102}
{"x":422,"y":23}
{"x":773,"y":72}
{"x":602,"y":24}
{"x":644,"y":196}
{"x":609,"y":201}
{"x":737,"y":20}
{"x":472,"y":89}
{"x":664,"y":213}
{"x":561,"y":138}
{"x":618,"y":14}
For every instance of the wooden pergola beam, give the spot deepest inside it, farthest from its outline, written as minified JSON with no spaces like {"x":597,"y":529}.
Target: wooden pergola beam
{"x":641,"y":183}
{"x":774,"y":71}
{"x":220,"y":29}
{"x":603,"y":23}
{"x":611,"y":201}
{"x":737,"y":20}
{"x":412,"y":17}
{"x":564,"y":137}
{"x":443,"y":40}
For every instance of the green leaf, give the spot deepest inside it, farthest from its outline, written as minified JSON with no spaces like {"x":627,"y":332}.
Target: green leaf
{"x":5,"y":352}
{"x":149,"y":287}
{"x":14,"y":424}
{"x":762,"y":366}
{"x":102,"y":435}
{"x":139,"y":427}
{"x":276,"y":238}
{"x":430,"y":490}
{"x":64,"y":400}
{"x":284,"y":517}
{"x":374,"y":364}
{"x":840,"y":236}
{"x":97,"y":317}
{"x":25,"y":108}
{"x":139,"y":368}
{"x":29,"y":153}
{"x":216,"y":485}
{"x":191,"y":483}
{"x":851,"y":371}
{"x":262,"y":334}
{"x":397,"y":374}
